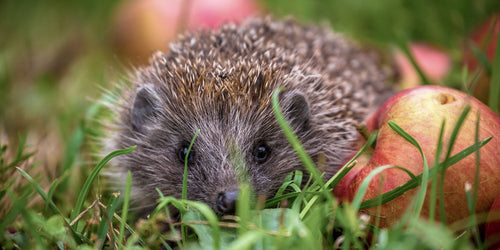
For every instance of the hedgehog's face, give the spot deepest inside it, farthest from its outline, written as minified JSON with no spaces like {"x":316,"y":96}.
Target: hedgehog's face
{"x":238,"y":142}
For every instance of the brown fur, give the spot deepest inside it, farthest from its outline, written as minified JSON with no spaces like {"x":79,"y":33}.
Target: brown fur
{"x":221,"y":83}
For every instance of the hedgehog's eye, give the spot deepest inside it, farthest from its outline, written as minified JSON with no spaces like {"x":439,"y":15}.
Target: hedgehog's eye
{"x":261,"y":153}
{"x":183,"y":151}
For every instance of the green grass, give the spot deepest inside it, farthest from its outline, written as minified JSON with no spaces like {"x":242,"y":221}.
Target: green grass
{"x":310,"y":219}
{"x":51,"y":194}
{"x":494,"y":102}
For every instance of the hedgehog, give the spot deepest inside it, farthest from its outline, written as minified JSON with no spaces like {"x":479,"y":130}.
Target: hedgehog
{"x":221,"y":82}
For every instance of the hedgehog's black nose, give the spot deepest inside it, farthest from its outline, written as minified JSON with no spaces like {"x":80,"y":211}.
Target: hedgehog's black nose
{"x":226,"y":201}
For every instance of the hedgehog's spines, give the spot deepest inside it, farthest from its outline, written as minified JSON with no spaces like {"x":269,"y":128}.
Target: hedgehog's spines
{"x":221,"y":82}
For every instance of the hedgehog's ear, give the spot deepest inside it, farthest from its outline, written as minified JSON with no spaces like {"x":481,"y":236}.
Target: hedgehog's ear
{"x":144,"y":109}
{"x":296,"y":109}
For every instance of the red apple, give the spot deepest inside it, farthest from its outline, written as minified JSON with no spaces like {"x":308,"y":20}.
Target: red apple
{"x":420,"y":111}
{"x":484,"y":37}
{"x":141,"y":27}
{"x":492,"y":228}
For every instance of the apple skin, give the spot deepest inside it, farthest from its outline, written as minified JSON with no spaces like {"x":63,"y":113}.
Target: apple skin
{"x":420,"y":112}
{"x":141,"y":27}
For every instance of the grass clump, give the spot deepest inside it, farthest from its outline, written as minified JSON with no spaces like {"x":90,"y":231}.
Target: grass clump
{"x":297,"y":217}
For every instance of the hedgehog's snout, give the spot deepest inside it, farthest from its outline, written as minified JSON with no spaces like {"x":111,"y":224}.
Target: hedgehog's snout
{"x":226,"y":201}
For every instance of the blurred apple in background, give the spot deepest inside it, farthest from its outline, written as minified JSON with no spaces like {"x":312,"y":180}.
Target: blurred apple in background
{"x":420,"y":112}
{"x":141,"y":27}
{"x":434,"y":62}
{"x":484,"y":38}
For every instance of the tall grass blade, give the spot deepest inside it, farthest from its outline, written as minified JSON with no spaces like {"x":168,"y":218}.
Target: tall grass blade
{"x":90,"y":179}
{"x":73,"y":147}
{"x":107,"y":221}
{"x":78,"y":237}
{"x":126,"y":201}
{"x":451,"y":143}
{"x":20,"y":156}
{"x":481,"y":57}
{"x":472,"y":198}
{"x":406,"y":50}
{"x":332,"y":182}
{"x":293,"y":140}
{"x":185,"y":176}
{"x":13,"y":213}
{"x":356,"y":202}
{"x":185,"y":180}
{"x":413,"y":183}
{"x":494,"y":98}
{"x":433,"y":192}
{"x":40,"y":191}
{"x":420,"y":197}
{"x":478,"y":164}
{"x":243,"y":208}
{"x":51,"y":191}
{"x":292,"y":180}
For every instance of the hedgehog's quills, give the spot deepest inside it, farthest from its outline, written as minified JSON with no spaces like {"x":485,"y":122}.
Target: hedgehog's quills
{"x":221,"y":83}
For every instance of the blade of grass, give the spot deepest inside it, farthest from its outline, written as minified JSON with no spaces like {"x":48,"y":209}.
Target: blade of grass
{"x":406,"y":50}
{"x":51,"y":191}
{"x":40,"y":191}
{"x":184,"y":179}
{"x":433,"y":192}
{"x":209,"y":214}
{"x":356,"y":202}
{"x":476,"y":175}
{"x":184,"y":182}
{"x":90,"y":179}
{"x":332,"y":182}
{"x":290,"y":181}
{"x":13,"y":213}
{"x":163,"y":205}
{"x":247,"y":240}
{"x":413,"y":183}
{"x":472,"y":198}
{"x":106,"y":223}
{"x":420,"y":197}
{"x":126,"y":200}
{"x":243,"y":208}
{"x":74,"y":144}
{"x":495,"y":80}
{"x":481,"y":57}
{"x":451,"y":143}
{"x":306,"y":160}
{"x":472,"y":218}
{"x":308,"y":206}
{"x":72,"y":150}
{"x":78,"y":237}
{"x":20,"y":156}
{"x":164,"y":201}
{"x":31,"y":228}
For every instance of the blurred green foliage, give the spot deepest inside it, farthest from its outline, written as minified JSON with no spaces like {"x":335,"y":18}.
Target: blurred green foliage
{"x":443,"y":22}
{"x":53,"y":56}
